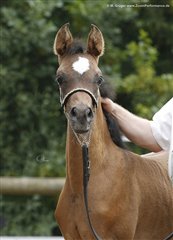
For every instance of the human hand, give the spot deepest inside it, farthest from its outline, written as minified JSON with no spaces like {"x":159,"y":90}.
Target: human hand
{"x":107,"y":104}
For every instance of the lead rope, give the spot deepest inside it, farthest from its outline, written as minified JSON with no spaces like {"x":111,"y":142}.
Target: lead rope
{"x":169,"y":237}
{"x":86,"y":176}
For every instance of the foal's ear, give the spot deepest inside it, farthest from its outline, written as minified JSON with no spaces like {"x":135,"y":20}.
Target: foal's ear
{"x":95,"y":42}
{"x":62,"y":40}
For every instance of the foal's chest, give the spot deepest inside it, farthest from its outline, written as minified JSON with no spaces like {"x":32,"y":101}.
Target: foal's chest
{"x":77,"y":212}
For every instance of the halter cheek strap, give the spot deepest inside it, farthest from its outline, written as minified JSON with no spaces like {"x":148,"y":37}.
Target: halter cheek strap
{"x":64,"y":99}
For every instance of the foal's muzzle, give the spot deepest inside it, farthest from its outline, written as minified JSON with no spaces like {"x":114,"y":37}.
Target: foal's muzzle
{"x":81,"y":117}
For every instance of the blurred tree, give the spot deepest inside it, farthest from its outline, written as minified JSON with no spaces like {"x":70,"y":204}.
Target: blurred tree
{"x":31,"y":121}
{"x":144,"y":86}
{"x":32,"y":130}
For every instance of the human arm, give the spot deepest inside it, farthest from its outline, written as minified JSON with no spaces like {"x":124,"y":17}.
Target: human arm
{"x":137,"y":129}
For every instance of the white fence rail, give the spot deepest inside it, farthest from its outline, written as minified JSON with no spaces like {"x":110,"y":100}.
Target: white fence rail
{"x":30,"y":185}
{"x":31,"y":238}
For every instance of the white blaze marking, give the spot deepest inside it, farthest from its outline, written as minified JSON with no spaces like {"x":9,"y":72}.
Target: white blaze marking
{"x":81,"y":65}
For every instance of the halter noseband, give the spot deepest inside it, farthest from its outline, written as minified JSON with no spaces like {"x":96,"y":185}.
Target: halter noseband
{"x":64,"y":99}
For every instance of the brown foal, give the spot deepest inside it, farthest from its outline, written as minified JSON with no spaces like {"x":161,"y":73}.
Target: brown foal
{"x":130,"y":197}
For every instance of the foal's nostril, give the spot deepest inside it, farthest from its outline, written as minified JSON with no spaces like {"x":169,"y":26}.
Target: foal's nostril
{"x":74,"y":112}
{"x":89,"y":113}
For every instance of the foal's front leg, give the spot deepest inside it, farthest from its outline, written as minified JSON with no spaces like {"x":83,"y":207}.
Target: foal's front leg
{"x":64,"y":215}
{"x":65,"y":221}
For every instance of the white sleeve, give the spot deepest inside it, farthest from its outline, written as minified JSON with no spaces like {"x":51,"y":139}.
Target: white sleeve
{"x":162,"y":124}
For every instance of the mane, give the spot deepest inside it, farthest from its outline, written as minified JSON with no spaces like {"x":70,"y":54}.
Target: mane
{"x":106,"y":91}
{"x":76,"y":47}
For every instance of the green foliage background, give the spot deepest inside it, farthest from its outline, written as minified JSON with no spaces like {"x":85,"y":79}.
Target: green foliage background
{"x":138,"y":62}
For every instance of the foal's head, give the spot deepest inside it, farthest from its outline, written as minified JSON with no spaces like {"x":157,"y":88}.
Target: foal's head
{"x":78,"y":76}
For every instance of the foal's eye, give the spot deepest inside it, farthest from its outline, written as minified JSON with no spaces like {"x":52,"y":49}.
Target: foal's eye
{"x":59,"y":79}
{"x":100,"y":80}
